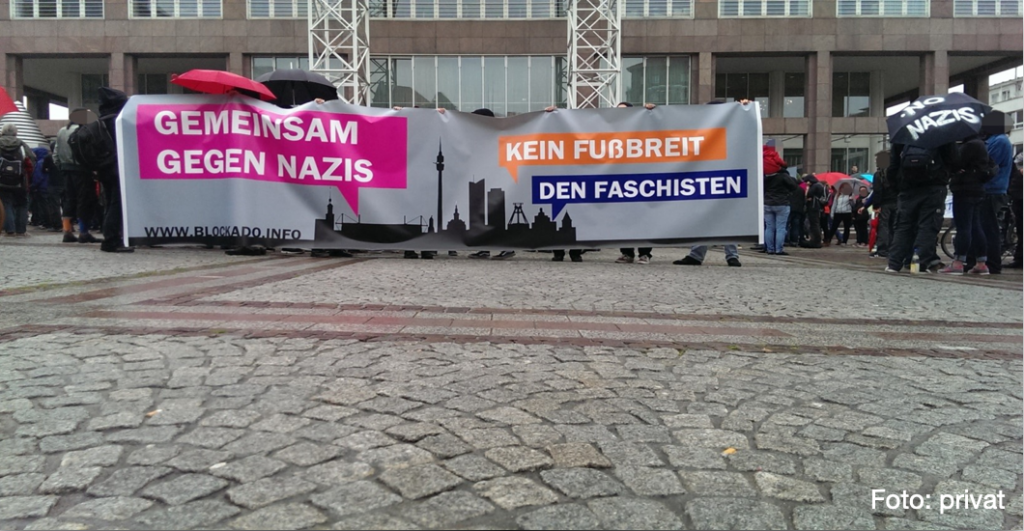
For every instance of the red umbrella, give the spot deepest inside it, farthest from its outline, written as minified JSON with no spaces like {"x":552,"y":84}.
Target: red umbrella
{"x":831,"y":178}
{"x":221,"y":82}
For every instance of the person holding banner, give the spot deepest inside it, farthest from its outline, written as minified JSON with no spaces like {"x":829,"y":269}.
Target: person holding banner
{"x":698,"y":252}
{"x":484,"y":255}
{"x":628,"y":254}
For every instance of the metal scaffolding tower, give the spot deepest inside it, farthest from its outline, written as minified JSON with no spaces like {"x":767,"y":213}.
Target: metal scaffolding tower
{"x":339,"y":46}
{"x":595,"y":53}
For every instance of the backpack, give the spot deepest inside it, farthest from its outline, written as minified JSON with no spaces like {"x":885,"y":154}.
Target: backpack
{"x":12,"y":169}
{"x":920,"y":167}
{"x":62,"y":153}
{"x":93,"y":147}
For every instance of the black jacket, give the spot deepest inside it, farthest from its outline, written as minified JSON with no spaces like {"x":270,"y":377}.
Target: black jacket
{"x":777,"y":189}
{"x":885,"y":189}
{"x":798,"y":201}
{"x":969,"y":181}
{"x":948,"y":154}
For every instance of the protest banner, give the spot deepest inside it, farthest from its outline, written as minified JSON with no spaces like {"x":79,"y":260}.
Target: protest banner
{"x":230,"y":170}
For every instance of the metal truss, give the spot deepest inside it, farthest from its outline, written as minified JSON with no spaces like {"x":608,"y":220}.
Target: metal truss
{"x":339,"y":46}
{"x":595,"y":53}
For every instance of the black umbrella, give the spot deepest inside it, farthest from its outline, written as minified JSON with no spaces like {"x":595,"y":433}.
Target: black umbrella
{"x":295,"y":87}
{"x":932,"y":121}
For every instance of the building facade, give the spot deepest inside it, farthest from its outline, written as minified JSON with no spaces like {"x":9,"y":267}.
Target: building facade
{"x":825,"y":71}
{"x":1009,"y":98}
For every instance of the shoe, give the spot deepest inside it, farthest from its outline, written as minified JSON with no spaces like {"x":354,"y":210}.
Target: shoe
{"x":426,"y":255}
{"x":558,"y":258}
{"x":575,"y":258}
{"x":769,"y":253}
{"x":782,"y":253}
{"x":411,"y":255}
{"x":69,"y":238}
{"x":734,"y":262}
{"x":891,"y":270}
{"x":504,"y":255}
{"x":624,"y":260}
{"x":85,"y":237}
{"x":453,"y":253}
{"x":339,"y":253}
{"x":979,"y":269}
{"x":481,"y":255}
{"x":933,"y":267}
{"x":117,"y":249}
{"x":643,"y":260}
{"x":826,"y":244}
{"x":315,"y":253}
{"x":291,"y":251}
{"x":956,"y":267}
{"x":687,"y":260}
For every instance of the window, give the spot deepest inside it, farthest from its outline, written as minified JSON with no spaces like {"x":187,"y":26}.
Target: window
{"x":764,"y":8}
{"x":735,"y":87}
{"x":151,"y":84}
{"x":278,"y":8}
{"x":57,"y":9}
{"x":1018,"y":119}
{"x":265,"y":65}
{"x":883,"y":8}
{"x":851,"y":94}
{"x":90,"y":89}
{"x":176,"y":8}
{"x":793,"y":102}
{"x":658,"y":80}
{"x":987,"y":8}
{"x":658,"y":8}
{"x":496,"y":9}
{"x":507,"y":85}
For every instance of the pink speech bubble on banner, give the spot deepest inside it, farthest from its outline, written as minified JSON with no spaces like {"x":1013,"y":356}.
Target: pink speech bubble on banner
{"x":237,"y":141}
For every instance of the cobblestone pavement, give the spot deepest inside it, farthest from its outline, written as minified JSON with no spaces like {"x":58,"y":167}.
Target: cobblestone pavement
{"x":187,"y":389}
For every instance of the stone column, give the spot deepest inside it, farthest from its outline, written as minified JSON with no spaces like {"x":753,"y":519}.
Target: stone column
{"x":818,"y":146}
{"x":122,"y":72}
{"x":703,"y":87}
{"x":236,"y":64}
{"x":776,"y":93}
{"x":12,"y":75}
{"x":934,"y":75}
{"x":876,"y":94}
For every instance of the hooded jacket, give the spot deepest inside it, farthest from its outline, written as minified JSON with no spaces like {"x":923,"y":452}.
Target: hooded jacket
{"x":771,"y":160}
{"x":974,"y":160}
{"x":11,"y":143}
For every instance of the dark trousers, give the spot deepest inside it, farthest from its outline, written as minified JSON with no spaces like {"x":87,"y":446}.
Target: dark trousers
{"x":83,"y":202}
{"x":112,"y":216}
{"x":814,"y":227}
{"x":886,"y":228}
{"x":1018,"y":212}
{"x":644,"y":251}
{"x":574,"y":254}
{"x":967,"y":218}
{"x":988,"y":213}
{"x":845,"y":219}
{"x":916,"y":211}
{"x":795,"y":227}
{"x":52,"y":201}
{"x":860,"y":224}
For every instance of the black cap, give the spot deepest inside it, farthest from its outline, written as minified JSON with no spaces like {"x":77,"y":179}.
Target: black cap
{"x":484,"y":112}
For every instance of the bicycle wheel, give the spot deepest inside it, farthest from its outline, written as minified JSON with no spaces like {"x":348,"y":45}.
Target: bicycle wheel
{"x":947,"y":241}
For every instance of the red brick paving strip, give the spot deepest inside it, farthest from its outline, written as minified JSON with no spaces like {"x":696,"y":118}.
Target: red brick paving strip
{"x":34,"y":330}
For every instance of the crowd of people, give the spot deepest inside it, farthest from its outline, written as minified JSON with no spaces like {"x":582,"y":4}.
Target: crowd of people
{"x":897,"y":215}
{"x":64,"y":190}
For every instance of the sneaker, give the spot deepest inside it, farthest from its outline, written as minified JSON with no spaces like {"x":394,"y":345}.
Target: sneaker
{"x":891,"y":270}
{"x":979,"y":269}
{"x":453,"y":253}
{"x":427,"y":255}
{"x":85,"y":237}
{"x":933,"y":267}
{"x":481,"y":255}
{"x":69,"y":237}
{"x":643,"y":260}
{"x":410,"y":255}
{"x":954,"y":268}
{"x":734,"y":262}
{"x":624,"y":260}
{"x":688,"y":260}
{"x":575,"y":258}
{"x":504,"y":255}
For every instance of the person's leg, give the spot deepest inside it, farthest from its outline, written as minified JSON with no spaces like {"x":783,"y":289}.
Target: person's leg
{"x":781,"y":219}
{"x":933,"y":204}
{"x":813,"y":228}
{"x":847,"y":222}
{"x":645,"y":251}
{"x":902,"y":243}
{"x":559,"y":255}
{"x":769,"y":228}
{"x":576,"y":255}
{"x":795,"y":228}
{"x":628,"y":252}
{"x":731,"y":251}
{"x":21,"y":219}
{"x":87,"y":204}
{"x":965,"y":211}
{"x":698,"y":252}
{"x":8,"y":213}
{"x":112,"y":217}
{"x":1018,"y":213}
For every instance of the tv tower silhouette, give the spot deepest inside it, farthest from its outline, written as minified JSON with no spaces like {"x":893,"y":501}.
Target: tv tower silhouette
{"x":518,"y":217}
{"x":440,"y":178}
